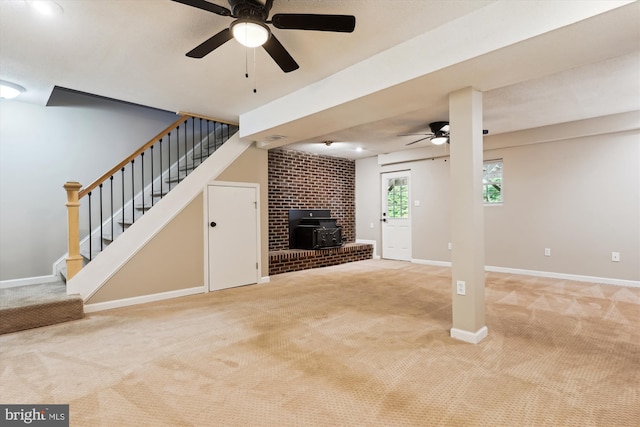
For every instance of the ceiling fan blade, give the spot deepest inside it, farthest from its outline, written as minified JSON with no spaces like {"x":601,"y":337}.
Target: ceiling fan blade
{"x":305,"y":21}
{"x":209,"y":45}
{"x":416,"y":134}
{"x":280,"y":55}
{"x":205,"y":5}
{"x":418,"y":140}
{"x":267,"y":5}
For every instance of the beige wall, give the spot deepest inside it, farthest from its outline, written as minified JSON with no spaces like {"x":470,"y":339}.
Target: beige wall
{"x":173,"y":259}
{"x":579,"y":197}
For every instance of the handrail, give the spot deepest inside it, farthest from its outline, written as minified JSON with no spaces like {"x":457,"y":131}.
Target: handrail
{"x":132,"y":156}
{"x":200,"y":116}
{"x":152,"y":141}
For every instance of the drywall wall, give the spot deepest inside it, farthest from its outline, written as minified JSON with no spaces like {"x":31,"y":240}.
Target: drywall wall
{"x":41,"y":148}
{"x":580,"y":197}
{"x":172,"y":260}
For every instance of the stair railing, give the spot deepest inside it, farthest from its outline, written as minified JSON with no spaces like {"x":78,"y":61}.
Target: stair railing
{"x":128,"y":190}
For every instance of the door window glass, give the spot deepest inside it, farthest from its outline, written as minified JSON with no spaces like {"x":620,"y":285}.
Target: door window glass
{"x":397,"y":198}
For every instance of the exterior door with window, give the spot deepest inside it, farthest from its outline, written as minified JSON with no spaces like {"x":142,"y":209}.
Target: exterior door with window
{"x":396,"y":216}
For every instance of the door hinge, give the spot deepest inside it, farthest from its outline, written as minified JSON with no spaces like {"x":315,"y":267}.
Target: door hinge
{"x":256,"y":265}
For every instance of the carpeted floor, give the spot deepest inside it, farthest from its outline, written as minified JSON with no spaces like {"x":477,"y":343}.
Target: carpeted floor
{"x":360,"y":344}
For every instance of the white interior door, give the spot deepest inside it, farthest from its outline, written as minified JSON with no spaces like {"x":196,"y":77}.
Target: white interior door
{"x":396,"y":215}
{"x":233,"y":236}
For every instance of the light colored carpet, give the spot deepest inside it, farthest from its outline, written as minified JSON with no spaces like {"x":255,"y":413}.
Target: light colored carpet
{"x":360,"y":344}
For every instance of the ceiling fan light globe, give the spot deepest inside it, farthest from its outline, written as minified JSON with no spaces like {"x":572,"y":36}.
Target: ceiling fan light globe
{"x":439,"y":140}
{"x":249,"y":33}
{"x":10,"y":90}
{"x":46,"y":7}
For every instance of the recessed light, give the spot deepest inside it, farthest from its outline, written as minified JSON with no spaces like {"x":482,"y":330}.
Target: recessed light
{"x":358,"y":149}
{"x":10,"y":90}
{"x":46,"y":7}
{"x":275,"y":138}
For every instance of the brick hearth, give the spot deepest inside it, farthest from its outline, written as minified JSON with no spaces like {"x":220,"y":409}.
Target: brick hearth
{"x":288,"y":260}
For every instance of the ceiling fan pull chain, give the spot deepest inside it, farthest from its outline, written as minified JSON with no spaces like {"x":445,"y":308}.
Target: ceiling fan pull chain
{"x":246,"y":63}
{"x":255,"y":74}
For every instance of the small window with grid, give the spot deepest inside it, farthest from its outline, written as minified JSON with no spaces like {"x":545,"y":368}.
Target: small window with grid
{"x":492,"y":182}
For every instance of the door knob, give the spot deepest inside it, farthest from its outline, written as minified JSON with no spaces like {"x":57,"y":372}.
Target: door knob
{"x":213,"y":224}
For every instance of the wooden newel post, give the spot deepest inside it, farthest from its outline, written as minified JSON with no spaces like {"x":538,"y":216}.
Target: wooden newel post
{"x":74,"y":260}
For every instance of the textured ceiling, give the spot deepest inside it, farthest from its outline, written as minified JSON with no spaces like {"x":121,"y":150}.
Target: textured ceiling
{"x":134,"y":50}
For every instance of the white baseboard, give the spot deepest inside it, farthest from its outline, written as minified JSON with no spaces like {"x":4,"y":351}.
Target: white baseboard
{"x":563,"y":276}
{"x":470,"y":337}
{"x":430,"y":262}
{"x":265,"y":279}
{"x":4,"y":284}
{"x":547,"y":274}
{"x":126,"y":302}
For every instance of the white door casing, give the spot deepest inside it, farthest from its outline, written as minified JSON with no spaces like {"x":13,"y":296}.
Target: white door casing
{"x":396,"y":215}
{"x":233,"y":236}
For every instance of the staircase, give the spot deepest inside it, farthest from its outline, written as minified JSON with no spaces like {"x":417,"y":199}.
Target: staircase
{"x":108,"y":207}
{"x":180,"y":150}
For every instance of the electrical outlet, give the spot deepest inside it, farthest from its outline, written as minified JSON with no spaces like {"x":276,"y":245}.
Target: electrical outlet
{"x":547,"y":251}
{"x":461,"y":287}
{"x":615,"y":256}
{"x":371,"y":225}
{"x":449,"y":246}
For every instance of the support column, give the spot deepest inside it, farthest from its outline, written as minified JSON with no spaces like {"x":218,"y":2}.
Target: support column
{"x":467,"y":216}
{"x":74,"y":260}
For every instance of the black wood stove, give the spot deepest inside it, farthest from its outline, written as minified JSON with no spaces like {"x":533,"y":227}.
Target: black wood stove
{"x":313,"y":229}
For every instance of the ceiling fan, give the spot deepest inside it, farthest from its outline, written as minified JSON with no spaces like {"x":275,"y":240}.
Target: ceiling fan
{"x":439,"y":134}
{"x":250,"y":27}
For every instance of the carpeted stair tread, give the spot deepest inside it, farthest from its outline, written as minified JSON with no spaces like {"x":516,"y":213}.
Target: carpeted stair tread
{"x":33,"y":306}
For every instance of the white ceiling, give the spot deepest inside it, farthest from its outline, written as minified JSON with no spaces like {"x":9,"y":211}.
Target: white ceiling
{"x":134,"y":50}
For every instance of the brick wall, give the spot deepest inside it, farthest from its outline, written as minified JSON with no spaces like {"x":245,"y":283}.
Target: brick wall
{"x":300,"y":180}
